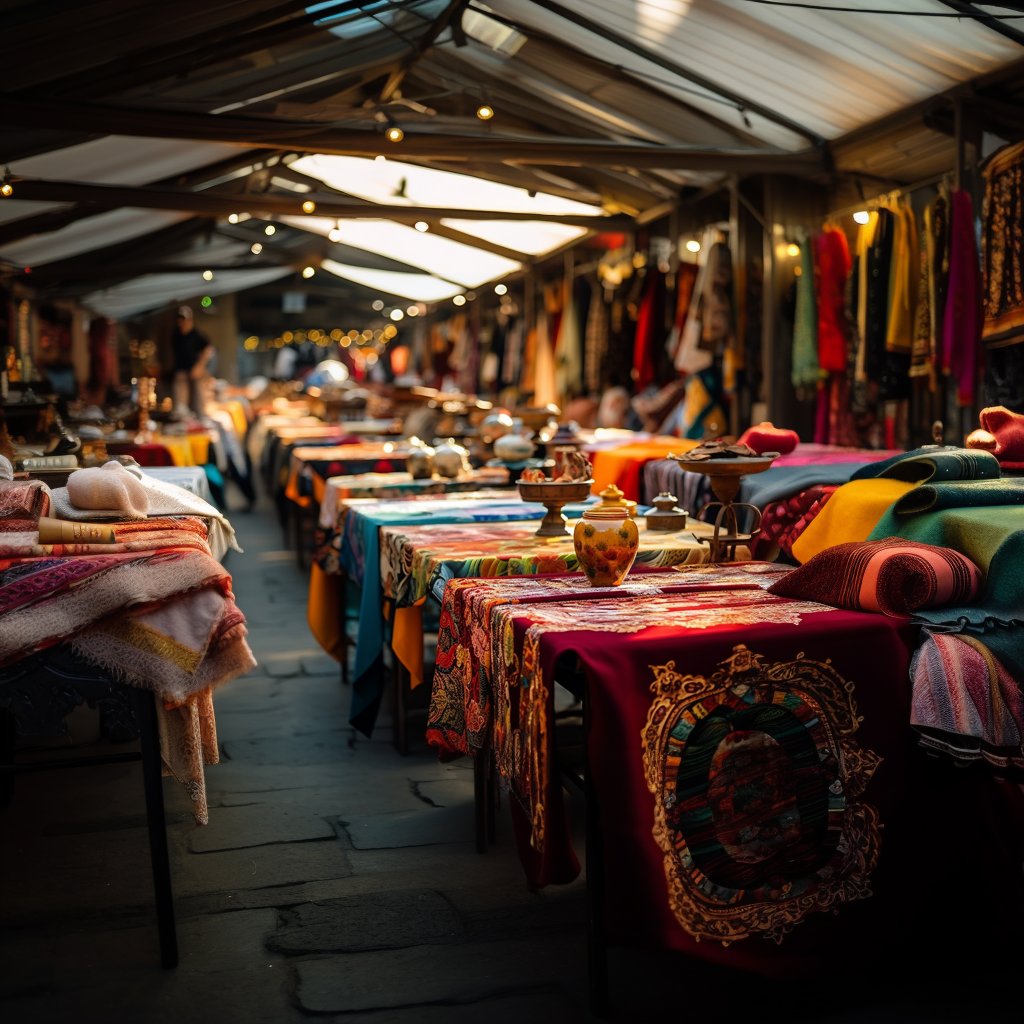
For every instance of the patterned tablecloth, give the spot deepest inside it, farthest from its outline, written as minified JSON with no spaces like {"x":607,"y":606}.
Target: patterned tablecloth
{"x":400,"y":485}
{"x":355,"y":550}
{"x":747,"y":754}
{"x":310,"y":467}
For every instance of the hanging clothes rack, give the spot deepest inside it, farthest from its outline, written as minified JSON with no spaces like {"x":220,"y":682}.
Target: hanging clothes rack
{"x":891,"y":195}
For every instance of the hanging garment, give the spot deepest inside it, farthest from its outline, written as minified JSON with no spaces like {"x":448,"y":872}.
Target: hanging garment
{"x":865,"y":239}
{"x":686,"y":279}
{"x":832,"y":267}
{"x":936,"y":226}
{"x":805,"y":369}
{"x":649,"y":330}
{"x":962,"y":324}
{"x":921,"y":364}
{"x":568,"y":356}
{"x":543,"y":384}
{"x":1003,"y":247}
{"x":876,"y":311}
{"x":595,"y":342}
{"x":903,"y":278}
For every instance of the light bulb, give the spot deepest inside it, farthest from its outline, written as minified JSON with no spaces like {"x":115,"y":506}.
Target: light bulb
{"x":421,"y":225}
{"x":7,"y":189}
{"x":501,"y":289}
{"x":485,"y":112}
{"x":335,"y":233}
{"x":308,"y":206}
{"x":232,"y":218}
{"x":207,"y":275}
{"x":862,"y":216}
{"x":269,"y":229}
{"x":459,"y":300}
{"x":792,"y":249}
{"x":255,"y":248}
{"x":693,"y":245}
{"x":394,"y":133}
{"x":378,"y":305}
{"x":396,"y":314}
{"x":308,"y":272}
{"x":413,"y":311}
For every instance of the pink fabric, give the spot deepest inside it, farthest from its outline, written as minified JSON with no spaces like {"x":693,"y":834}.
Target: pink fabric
{"x":962,"y":322}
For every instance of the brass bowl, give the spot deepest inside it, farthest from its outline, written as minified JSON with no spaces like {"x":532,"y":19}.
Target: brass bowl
{"x":553,"y":495}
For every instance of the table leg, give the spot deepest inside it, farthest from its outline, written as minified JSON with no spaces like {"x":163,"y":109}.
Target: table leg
{"x":149,"y":741}
{"x":7,"y":733}
{"x":597,"y":945}
{"x":402,"y":680}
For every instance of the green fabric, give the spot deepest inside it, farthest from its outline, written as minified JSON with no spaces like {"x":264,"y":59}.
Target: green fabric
{"x":960,"y":494}
{"x":805,"y":372}
{"x":993,"y":538}
{"x":933,"y":465}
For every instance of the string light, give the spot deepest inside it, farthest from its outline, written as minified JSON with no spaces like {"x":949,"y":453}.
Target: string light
{"x":421,"y":225}
{"x":459,"y":300}
{"x":7,"y":189}
{"x":413,"y":311}
{"x":255,"y":248}
{"x":693,"y":245}
{"x":862,"y":216}
{"x":501,"y":289}
{"x":792,"y":249}
{"x":396,"y":314}
{"x":335,"y":233}
{"x":308,"y":206}
{"x":207,"y":275}
{"x":232,"y":218}
{"x":377,"y":305}
{"x":269,"y":229}
{"x":485,"y":111}
{"x":393,"y":133}
{"x":308,"y":272}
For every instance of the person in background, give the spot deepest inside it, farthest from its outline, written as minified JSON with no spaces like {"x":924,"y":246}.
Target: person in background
{"x":192,"y":354}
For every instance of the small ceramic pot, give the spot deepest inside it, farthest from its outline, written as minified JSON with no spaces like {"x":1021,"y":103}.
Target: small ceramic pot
{"x":451,"y":459}
{"x":514,"y":446}
{"x":606,"y":542}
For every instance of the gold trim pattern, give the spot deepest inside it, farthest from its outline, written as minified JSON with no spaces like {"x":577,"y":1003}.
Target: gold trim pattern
{"x":704,"y":908}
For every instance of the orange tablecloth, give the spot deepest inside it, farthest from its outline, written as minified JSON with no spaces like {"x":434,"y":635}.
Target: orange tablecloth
{"x":623,"y":466}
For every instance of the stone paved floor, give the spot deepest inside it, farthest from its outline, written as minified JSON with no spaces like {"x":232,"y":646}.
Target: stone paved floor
{"x":336,"y":880}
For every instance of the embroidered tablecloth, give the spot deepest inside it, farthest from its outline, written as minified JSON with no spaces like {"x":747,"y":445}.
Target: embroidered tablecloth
{"x":748,"y":754}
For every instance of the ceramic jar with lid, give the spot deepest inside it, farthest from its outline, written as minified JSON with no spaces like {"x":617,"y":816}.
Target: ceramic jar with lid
{"x":666,"y":515}
{"x":606,"y":542}
{"x":420,"y":460}
{"x":450,"y":459}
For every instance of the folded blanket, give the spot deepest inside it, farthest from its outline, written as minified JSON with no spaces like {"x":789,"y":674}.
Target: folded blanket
{"x":22,"y":502}
{"x":964,"y":703}
{"x":894,"y":577}
{"x":931,"y":463}
{"x":850,"y":515}
{"x":962,"y":494}
{"x":165,"y":499}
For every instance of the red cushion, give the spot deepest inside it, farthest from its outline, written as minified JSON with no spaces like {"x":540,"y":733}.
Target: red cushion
{"x":766,"y":437}
{"x":892,"y":576}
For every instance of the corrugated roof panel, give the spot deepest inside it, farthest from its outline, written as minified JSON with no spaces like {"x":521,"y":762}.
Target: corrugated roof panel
{"x":88,"y":234}
{"x":829,"y":71}
{"x":155,"y":290}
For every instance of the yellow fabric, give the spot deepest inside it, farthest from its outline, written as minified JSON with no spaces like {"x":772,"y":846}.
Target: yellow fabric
{"x":904,"y":276}
{"x":236,"y":410}
{"x":850,"y":514}
{"x":186,"y":449}
{"x":865,"y":237}
{"x":407,"y":640}
{"x":324,"y":612}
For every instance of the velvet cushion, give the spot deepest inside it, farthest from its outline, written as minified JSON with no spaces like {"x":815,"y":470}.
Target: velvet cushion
{"x":893,"y":576}
{"x":1001,"y":433}
{"x":766,"y":437}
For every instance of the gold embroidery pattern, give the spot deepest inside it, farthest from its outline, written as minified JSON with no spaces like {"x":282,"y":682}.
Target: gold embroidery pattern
{"x":816,"y":709}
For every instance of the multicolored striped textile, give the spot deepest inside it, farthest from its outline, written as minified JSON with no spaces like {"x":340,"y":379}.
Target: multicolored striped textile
{"x":965,"y":704}
{"x":895,"y":577}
